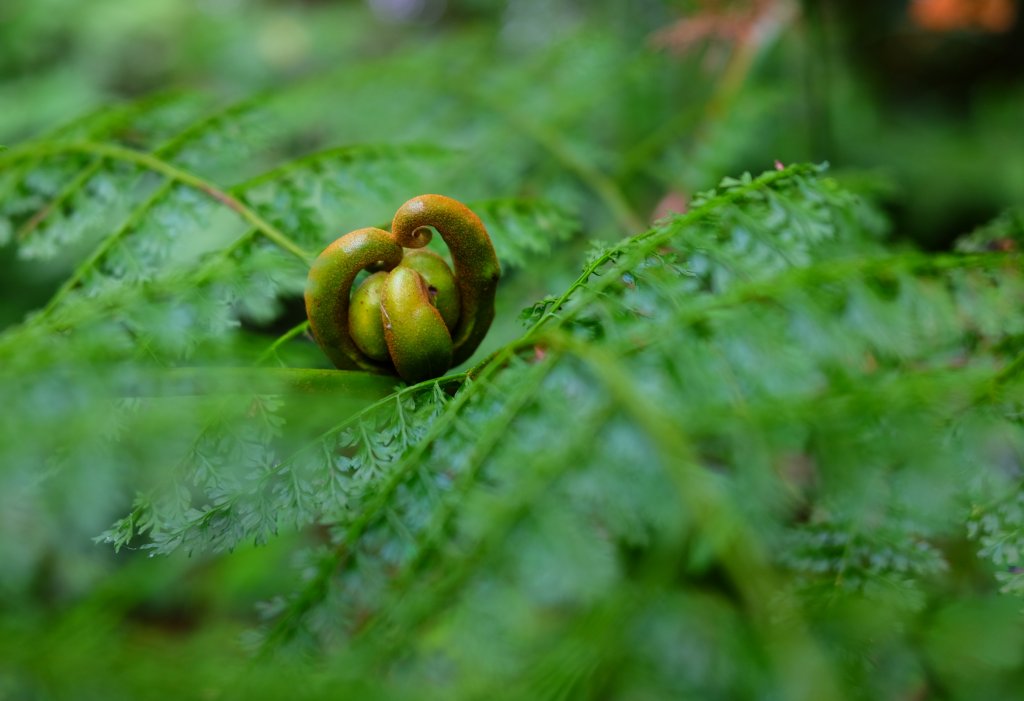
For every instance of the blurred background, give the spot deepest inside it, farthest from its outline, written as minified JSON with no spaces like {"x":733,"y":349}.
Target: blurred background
{"x":615,"y":112}
{"x":682,"y":91}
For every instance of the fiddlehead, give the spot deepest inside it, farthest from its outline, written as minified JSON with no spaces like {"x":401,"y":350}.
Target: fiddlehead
{"x":364,"y":322}
{"x":441,"y":285}
{"x":476,"y":265}
{"x":417,"y":338}
{"x":328,"y":287}
{"x":416,"y":314}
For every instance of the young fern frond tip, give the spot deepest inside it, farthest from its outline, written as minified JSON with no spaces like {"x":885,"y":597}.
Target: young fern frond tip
{"x":415,"y":313}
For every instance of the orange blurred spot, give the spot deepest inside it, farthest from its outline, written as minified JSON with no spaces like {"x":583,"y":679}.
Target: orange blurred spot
{"x":997,"y":15}
{"x":951,"y":15}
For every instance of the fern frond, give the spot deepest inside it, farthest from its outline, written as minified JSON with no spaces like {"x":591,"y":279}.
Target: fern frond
{"x":999,"y":530}
{"x":737,"y":349}
{"x":747,"y":451}
{"x":700,"y":397}
{"x":524,"y":230}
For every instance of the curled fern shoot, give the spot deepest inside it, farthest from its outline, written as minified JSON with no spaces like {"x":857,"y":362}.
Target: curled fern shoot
{"x":415,"y":313}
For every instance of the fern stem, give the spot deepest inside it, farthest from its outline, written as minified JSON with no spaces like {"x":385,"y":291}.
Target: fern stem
{"x":166,"y":148}
{"x":105,"y":246}
{"x":833,"y":271}
{"x":602,"y":185}
{"x":174,"y":173}
{"x":417,"y":608}
{"x":804,"y":668}
{"x":768,"y":24}
{"x":288,"y":335}
{"x":105,"y":116}
{"x":658,"y":237}
{"x":196,"y":128}
{"x":285,"y":626}
{"x":488,"y":440}
{"x":109,"y":243}
{"x":771,"y":21}
{"x":66,"y":192}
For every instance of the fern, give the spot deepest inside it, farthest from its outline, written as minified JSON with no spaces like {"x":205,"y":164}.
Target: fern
{"x":751,"y":337}
{"x":753,"y":451}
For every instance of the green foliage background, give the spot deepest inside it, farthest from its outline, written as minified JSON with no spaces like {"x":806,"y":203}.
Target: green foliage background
{"x":766,"y":447}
